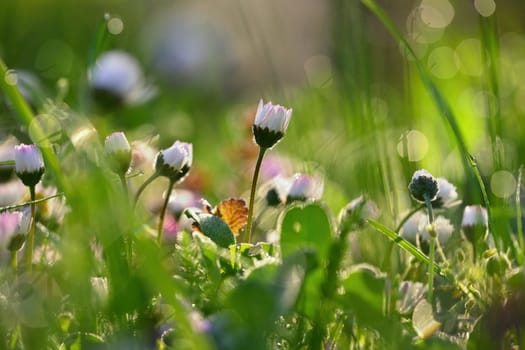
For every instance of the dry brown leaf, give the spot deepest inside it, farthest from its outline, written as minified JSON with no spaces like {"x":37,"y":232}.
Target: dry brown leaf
{"x":234,"y":213}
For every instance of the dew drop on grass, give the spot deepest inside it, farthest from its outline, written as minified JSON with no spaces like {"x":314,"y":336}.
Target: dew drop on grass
{"x":485,"y":7}
{"x":11,"y":78}
{"x":502,"y":183}
{"x":45,"y":130}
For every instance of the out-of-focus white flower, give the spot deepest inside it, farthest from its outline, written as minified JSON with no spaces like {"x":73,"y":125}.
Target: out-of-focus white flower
{"x":53,"y":210}
{"x":11,"y":192}
{"x":182,"y":199}
{"x":175,"y":161}
{"x":410,"y":229}
{"x":305,"y":187}
{"x":276,"y":190}
{"x":422,"y":185}
{"x":13,"y":228}
{"x":118,"y":150}
{"x":355,"y":213}
{"x":446,"y":195}
{"x":275,"y":165}
{"x":116,"y":78}
{"x":474,"y":215}
{"x":442,"y":227}
{"x":29,"y":164}
{"x":271,"y":122}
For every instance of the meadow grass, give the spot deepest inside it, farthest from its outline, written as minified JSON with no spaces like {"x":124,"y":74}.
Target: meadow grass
{"x":339,"y":251}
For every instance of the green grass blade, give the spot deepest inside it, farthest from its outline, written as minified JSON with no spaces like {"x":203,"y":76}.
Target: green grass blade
{"x":403,"y":243}
{"x":519,"y":227}
{"x":25,"y":114}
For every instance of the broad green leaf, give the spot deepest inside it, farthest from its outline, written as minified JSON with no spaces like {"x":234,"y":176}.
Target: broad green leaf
{"x":303,"y":227}
{"x":364,"y":294}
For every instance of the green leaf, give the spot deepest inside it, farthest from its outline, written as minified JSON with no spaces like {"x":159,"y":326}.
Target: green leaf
{"x":307,"y":226}
{"x":364,"y":290}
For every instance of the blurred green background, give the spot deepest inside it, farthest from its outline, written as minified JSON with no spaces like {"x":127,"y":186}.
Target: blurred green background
{"x":361,"y":115}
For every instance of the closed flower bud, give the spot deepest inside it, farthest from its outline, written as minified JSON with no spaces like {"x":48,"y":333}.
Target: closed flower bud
{"x":118,"y":151}
{"x":423,"y":185}
{"x":13,"y":229}
{"x":305,"y":187}
{"x":271,"y":122}
{"x":276,"y":191}
{"x":175,"y":161}
{"x":29,"y":165}
{"x":474,"y":223}
{"x":446,"y":195}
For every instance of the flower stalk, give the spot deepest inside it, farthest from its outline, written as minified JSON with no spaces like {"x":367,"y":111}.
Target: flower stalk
{"x":163,"y":212}
{"x":31,"y":235}
{"x":432,"y":248}
{"x":249,"y":224}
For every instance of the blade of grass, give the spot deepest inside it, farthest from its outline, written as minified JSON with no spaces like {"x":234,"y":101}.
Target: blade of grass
{"x":403,"y":243}
{"x":24,"y":113}
{"x":519,"y":226}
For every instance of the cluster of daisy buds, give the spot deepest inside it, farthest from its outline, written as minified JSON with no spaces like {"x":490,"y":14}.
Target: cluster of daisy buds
{"x":299,"y":187}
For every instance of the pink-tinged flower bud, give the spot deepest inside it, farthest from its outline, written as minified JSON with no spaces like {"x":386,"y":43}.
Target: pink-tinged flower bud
{"x":13,"y":229}
{"x":276,"y":190}
{"x":271,"y":122}
{"x":29,"y":164}
{"x":446,"y":195}
{"x":474,"y":223}
{"x":175,"y":162}
{"x":423,"y":185}
{"x":305,"y":187}
{"x":118,"y":151}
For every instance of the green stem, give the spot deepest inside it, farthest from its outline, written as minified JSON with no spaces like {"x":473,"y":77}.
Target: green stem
{"x":163,"y":212}
{"x":124,"y":185}
{"x":519,"y":227}
{"x":432,"y":252}
{"x":143,"y":186}
{"x":249,"y":224}
{"x":13,"y":262}
{"x":18,"y":206}
{"x":31,"y":237}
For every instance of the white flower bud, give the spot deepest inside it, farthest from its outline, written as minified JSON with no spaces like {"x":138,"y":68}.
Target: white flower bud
{"x":271,"y":122}
{"x":29,"y":164}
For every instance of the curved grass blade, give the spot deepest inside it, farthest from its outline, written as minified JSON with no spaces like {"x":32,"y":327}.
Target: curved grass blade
{"x":519,"y":227}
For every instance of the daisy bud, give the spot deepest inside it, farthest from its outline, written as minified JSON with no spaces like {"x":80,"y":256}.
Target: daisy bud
{"x":175,"y":161}
{"x":441,"y":228}
{"x":446,"y":195}
{"x":118,"y":151}
{"x":474,"y":223}
{"x":271,"y":122}
{"x":29,"y":165}
{"x":423,"y":185}
{"x":13,"y":229}
{"x":305,"y":187}
{"x":276,"y":190}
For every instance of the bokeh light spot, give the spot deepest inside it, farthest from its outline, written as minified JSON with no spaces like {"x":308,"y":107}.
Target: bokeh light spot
{"x":503,"y":183}
{"x":469,"y":57}
{"x":45,"y":130}
{"x":436,"y":13}
{"x":318,"y":71}
{"x":413,"y":144}
{"x":485,"y":7}
{"x":115,"y":26}
{"x":11,"y":78}
{"x":442,"y":62}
